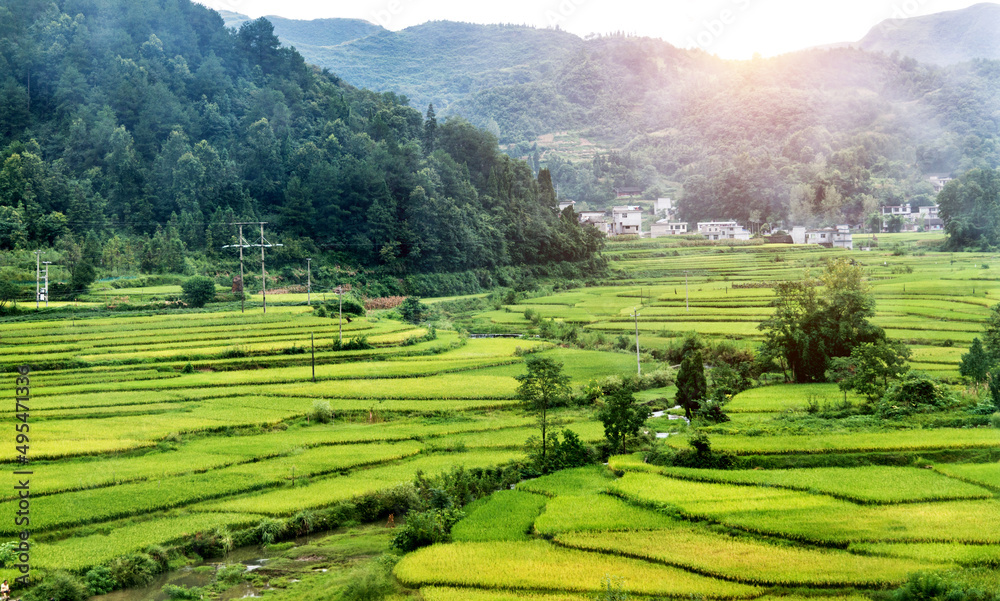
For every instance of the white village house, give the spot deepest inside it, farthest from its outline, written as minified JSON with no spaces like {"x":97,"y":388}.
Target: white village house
{"x":598,"y":219}
{"x":664,"y":207}
{"x":666,"y":227}
{"x":939,"y":180}
{"x":626,"y":220}
{"x":830,"y":237}
{"x":914,"y":218}
{"x":723,"y":230}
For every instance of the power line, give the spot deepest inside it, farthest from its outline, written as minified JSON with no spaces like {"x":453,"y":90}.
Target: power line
{"x":241,"y":244}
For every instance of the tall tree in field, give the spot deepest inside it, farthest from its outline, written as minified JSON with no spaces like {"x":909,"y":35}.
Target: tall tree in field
{"x":541,"y":388}
{"x":810,"y":326}
{"x":622,"y":417}
{"x":871,"y":366}
{"x":692,"y":387}
{"x":976,"y":363}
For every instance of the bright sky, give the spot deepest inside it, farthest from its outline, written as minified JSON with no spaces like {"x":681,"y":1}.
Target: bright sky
{"x":729,"y":28}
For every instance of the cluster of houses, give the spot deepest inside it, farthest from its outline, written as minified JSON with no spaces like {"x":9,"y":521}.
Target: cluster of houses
{"x":626,"y":220}
{"x":913,"y":219}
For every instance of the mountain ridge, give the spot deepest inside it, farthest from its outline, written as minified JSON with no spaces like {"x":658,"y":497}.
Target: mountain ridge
{"x":943,"y":38}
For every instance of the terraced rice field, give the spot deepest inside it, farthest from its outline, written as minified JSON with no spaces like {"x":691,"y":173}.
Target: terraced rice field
{"x":147,"y":429}
{"x":742,"y":532}
{"x":153,"y":427}
{"x":934,"y":301}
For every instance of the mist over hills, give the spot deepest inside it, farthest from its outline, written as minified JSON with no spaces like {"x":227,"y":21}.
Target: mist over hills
{"x":944,"y":38}
{"x":308,"y":33}
{"x":814,"y":136}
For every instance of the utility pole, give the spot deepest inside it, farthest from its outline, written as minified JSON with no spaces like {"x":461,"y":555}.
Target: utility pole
{"x":46,"y":288}
{"x":638,"y":365}
{"x":263,"y":276}
{"x":243,"y":294}
{"x":242,"y":243}
{"x":309,"y":281}
{"x":340,"y":314}
{"x":38,"y":276}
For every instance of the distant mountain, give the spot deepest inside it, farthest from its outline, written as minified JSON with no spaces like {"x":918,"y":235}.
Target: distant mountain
{"x":945,"y":38}
{"x":307,"y":34}
{"x":816,"y":136}
{"x":444,"y":61}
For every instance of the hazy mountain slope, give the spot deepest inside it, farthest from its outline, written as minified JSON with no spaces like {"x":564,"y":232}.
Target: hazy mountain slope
{"x":943,"y":38}
{"x":443,"y":61}
{"x":307,"y":33}
{"x":818,"y":136}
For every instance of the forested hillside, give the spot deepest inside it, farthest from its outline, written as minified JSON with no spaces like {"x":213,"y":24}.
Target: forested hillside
{"x":818,"y":136}
{"x":134,"y":133}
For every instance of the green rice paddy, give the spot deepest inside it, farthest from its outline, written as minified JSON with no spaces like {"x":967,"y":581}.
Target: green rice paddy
{"x":147,"y":429}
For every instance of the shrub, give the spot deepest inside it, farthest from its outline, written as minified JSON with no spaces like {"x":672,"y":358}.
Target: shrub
{"x":354,"y":344}
{"x":412,"y":311}
{"x":915,"y":393}
{"x":995,"y":420}
{"x":932,"y":587}
{"x":60,"y":586}
{"x":8,"y":554}
{"x":712,"y":411}
{"x":349,"y":306}
{"x":231,"y":574}
{"x":321,"y":412}
{"x":570,"y":452}
{"x":215,"y":543}
{"x":302,"y":522}
{"x":426,"y":528}
{"x":198,"y":291}
{"x":700,"y":455}
{"x":612,"y":589}
{"x":370,"y":582}
{"x":99,"y":580}
{"x":172,"y":591}
{"x":188,"y":369}
{"x":82,"y":276}
{"x":269,"y":530}
{"x":134,"y":569}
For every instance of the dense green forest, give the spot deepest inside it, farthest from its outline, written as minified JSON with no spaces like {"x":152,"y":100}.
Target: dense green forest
{"x":812,"y":137}
{"x":132,"y":134}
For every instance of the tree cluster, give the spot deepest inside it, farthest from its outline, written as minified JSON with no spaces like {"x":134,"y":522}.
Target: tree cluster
{"x":817,"y":320}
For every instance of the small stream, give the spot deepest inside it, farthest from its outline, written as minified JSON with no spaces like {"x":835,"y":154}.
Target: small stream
{"x":253,"y":557}
{"x":668,"y":416}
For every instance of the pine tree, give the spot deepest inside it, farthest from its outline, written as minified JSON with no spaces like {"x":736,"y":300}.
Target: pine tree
{"x":430,"y":130}
{"x":546,"y":191}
